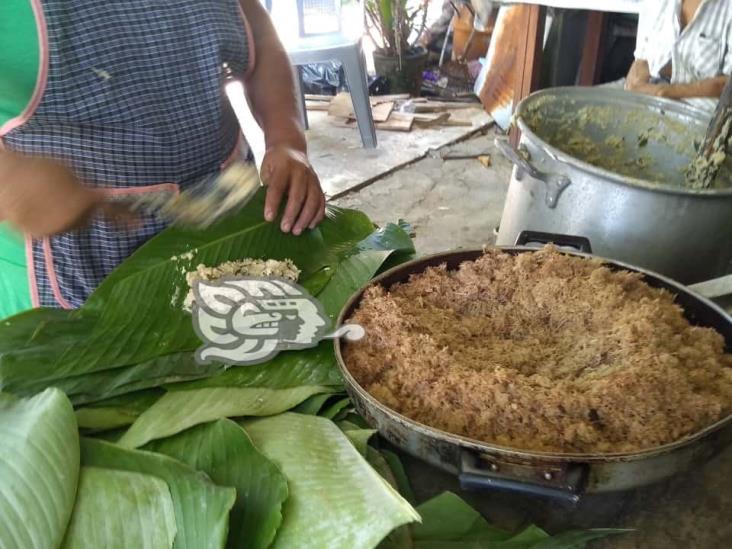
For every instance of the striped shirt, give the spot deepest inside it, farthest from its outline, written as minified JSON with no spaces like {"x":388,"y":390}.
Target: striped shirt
{"x":701,"y":50}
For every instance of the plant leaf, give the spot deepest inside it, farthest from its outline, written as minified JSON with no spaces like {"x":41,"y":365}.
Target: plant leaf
{"x":360,"y":439}
{"x":336,"y":498}
{"x":119,"y":509}
{"x":316,"y":366}
{"x":39,"y":469}
{"x":335,"y":408}
{"x":400,"y":475}
{"x":448,"y":518}
{"x":350,"y":275}
{"x":224,"y":452}
{"x":201,"y":508}
{"x":180,"y":410}
{"x":577,"y":539}
{"x":96,"y":386}
{"x":117,"y":412}
{"x":314,"y":404}
{"x":135,"y":317}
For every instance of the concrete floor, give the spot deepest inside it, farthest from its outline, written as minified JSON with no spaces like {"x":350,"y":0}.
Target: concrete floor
{"x":449,"y":203}
{"x":457,"y":204}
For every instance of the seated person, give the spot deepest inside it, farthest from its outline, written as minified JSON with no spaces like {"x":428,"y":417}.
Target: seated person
{"x":684,"y":50}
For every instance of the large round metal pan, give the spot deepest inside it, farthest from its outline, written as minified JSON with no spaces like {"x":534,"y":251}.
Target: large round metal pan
{"x":482,"y":465}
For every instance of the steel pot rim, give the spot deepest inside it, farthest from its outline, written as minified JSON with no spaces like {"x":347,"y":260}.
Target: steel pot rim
{"x":626,"y":181}
{"x":352,"y":385}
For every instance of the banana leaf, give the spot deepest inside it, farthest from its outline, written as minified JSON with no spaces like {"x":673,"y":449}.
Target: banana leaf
{"x":39,"y":469}
{"x":450,"y":523}
{"x":116,"y":412}
{"x":96,"y":386}
{"x":225,"y":453}
{"x":132,"y":334}
{"x":201,"y":508}
{"x":316,"y":366}
{"x":177,"y":411}
{"x":119,"y":509}
{"x":315,"y":403}
{"x":336,"y":498}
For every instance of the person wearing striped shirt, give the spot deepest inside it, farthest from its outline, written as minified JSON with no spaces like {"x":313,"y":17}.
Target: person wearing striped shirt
{"x":684,"y":50}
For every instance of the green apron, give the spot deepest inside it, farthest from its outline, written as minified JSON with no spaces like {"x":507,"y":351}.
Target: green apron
{"x":19,"y":54}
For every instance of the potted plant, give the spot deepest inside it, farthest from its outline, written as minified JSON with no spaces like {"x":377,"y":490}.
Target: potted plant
{"x":396,"y":29}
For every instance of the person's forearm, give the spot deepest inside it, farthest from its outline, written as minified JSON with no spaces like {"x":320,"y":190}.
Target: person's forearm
{"x":710,"y":87}
{"x":639,"y":73}
{"x":271,"y":86}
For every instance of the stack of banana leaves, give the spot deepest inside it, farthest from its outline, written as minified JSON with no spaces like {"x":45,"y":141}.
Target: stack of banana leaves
{"x":113,"y":436}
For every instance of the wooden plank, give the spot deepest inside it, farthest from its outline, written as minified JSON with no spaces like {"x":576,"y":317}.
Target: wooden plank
{"x":443,"y":106}
{"x":317,"y":105}
{"x":424,"y":120}
{"x":592,"y":53}
{"x":375,"y":100}
{"x":316,"y":97}
{"x":399,"y":124}
{"x":529,"y":57}
{"x":382,"y":111}
{"x":342,"y":107}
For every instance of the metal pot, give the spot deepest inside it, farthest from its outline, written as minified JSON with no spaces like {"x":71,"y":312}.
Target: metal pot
{"x":628,"y":213}
{"x":567,"y":476}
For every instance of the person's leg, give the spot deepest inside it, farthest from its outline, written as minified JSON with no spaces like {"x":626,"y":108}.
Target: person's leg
{"x":14,"y":288}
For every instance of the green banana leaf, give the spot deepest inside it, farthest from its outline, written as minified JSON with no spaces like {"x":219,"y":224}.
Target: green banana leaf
{"x":119,"y":509}
{"x":314,"y":404}
{"x":39,"y":469}
{"x":335,"y":408}
{"x":225,"y":453}
{"x":450,"y":523}
{"x":316,"y":366}
{"x":132,"y":335}
{"x":578,"y":539}
{"x":134,"y":316}
{"x":400,"y":475}
{"x":448,"y":518}
{"x":360,"y":439}
{"x":116,"y":412}
{"x":350,"y":275}
{"x":201,"y":507}
{"x":177,"y":411}
{"x":336,"y":498}
{"x":96,"y":386}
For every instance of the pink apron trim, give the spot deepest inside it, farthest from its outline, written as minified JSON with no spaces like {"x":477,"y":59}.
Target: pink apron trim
{"x":42,"y":78}
{"x":51,"y":270}
{"x":174,"y":187}
{"x":252,"y":61}
{"x":30,"y":266}
{"x":48,"y":252}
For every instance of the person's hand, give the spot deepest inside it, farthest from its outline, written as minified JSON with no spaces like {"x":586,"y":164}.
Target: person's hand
{"x":287,"y":171}
{"x":42,"y":197}
{"x":638,"y":76}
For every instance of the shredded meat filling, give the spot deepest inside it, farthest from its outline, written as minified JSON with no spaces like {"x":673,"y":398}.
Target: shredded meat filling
{"x":541,"y":351}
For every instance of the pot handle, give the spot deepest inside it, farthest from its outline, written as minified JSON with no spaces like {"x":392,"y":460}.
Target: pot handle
{"x":580,"y":243}
{"x":555,"y":183}
{"x":566,"y":482}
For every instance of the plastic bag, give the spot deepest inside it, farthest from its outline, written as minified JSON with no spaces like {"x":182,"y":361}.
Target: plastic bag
{"x":323,"y":78}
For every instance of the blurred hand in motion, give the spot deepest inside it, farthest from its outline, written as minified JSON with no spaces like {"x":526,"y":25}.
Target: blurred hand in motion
{"x":42,"y":197}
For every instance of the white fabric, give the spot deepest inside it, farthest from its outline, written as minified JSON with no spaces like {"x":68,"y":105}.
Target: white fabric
{"x":702,"y":50}
{"x":617,"y":6}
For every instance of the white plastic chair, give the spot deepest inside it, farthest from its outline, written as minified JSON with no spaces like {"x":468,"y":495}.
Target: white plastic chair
{"x":319,"y":38}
